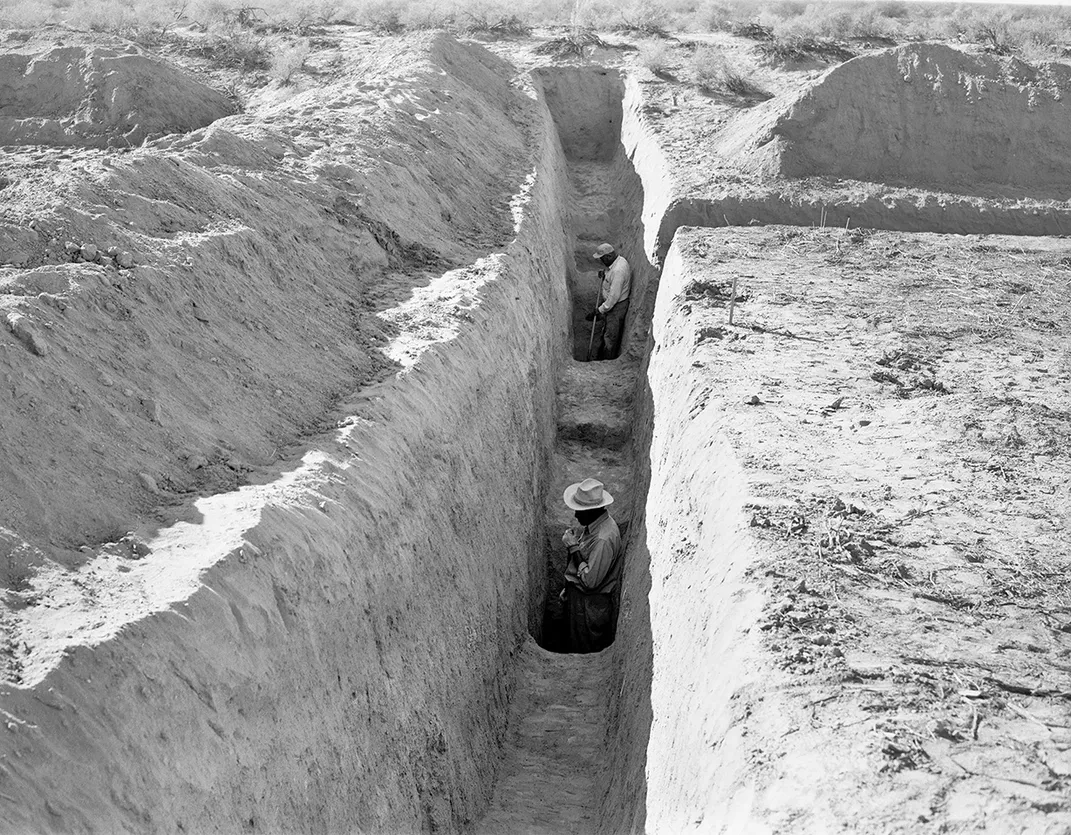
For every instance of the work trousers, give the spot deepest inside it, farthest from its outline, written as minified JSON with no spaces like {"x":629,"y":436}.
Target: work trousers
{"x":612,"y":330}
{"x":591,"y":620}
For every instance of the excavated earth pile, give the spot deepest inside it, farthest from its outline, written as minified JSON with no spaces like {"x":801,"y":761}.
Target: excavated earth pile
{"x":919,"y":138}
{"x":92,"y":97}
{"x":325,"y":646}
{"x":291,"y":400}
{"x":928,"y":114}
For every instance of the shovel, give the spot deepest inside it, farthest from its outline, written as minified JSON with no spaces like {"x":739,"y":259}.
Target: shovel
{"x":594,"y":319}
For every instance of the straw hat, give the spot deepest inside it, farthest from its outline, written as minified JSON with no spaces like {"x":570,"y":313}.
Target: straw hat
{"x":587,"y":495}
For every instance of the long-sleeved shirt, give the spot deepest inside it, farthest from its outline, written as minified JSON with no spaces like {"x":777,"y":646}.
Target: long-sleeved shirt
{"x":616,"y":284}
{"x":600,"y":548}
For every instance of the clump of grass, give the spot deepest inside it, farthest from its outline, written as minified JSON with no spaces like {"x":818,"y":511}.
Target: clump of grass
{"x":711,"y":73}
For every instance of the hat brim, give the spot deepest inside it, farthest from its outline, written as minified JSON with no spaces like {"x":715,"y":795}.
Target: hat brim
{"x":572,"y":503}
{"x":597,"y":255}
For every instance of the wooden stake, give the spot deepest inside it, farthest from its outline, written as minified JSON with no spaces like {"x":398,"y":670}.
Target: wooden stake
{"x":732,"y":301}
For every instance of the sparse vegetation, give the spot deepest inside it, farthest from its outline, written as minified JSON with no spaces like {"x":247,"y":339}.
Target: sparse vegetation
{"x":793,"y":29}
{"x":288,"y":62}
{"x":710,"y":72}
{"x":657,"y":56}
{"x":795,"y":48}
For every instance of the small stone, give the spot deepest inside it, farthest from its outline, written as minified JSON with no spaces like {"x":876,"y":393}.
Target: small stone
{"x":71,"y":248}
{"x":196,"y":461}
{"x":199,"y":314}
{"x":125,"y":260}
{"x":838,"y":652}
{"x":106,"y":380}
{"x":139,"y":549}
{"x":148,"y":482}
{"x":152,"y":409}
{"x":753,"y":400}
{"x":89,"y":252}
{"x":26,"y":332}
{"x":112,"y":251}
{"x":105,"y":261}
{"x":821,"y":640}
{"x":128,"y":392}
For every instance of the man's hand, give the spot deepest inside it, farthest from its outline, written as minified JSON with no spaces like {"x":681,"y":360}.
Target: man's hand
{"x":570,"y":539}
{"x":593,"y":315}
{"x":602,"y":273}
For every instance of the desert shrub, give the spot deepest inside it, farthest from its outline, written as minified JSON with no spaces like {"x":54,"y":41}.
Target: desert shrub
{"x":656,"y":55}
{"x":574,"y":43}
{"x":787,"y":50}
{"x":381,"y":16}
{"x":753,"y":30}
{"x":207,"y":12}
{"x":492,"y":25}
{"x":711,"y":16}
{"x":25,"y":14}
{"x":643,"y":20}
{"x":236,"y":49}
{"x":288,"y":62}
{"x":710,"y":72}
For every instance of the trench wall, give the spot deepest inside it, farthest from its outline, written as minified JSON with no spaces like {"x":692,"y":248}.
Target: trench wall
{"x":897,"y":212}
{"x":349,"y":666}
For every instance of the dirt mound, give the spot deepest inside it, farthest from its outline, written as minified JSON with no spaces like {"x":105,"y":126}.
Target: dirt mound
{"x":99,"y":98}
{"x":264,"y":248}
{"x":922,"y":114}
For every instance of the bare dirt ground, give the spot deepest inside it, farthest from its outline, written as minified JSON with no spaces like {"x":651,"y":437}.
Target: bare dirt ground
{"x":899,"y":404}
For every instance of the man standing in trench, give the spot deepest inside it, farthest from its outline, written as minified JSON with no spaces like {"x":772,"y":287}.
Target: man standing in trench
{"x":616,"y":287}
{"x":593,"y":571}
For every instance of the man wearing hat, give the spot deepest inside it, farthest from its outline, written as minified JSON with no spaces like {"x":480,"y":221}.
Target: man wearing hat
{"x":616,"y":286}
{"x":593,"y":572}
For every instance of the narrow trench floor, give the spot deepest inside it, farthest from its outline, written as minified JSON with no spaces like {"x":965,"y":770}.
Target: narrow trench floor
{"x":556,"y":738}
{"x":555,"y":747}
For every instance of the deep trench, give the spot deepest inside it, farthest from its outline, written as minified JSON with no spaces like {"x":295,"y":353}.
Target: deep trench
{"x":575,"y":731}
{"x":554,"y":760}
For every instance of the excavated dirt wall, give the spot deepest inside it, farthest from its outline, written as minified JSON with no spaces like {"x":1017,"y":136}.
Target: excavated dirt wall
{"x":899,"y":212}
{"x":346,"y":662}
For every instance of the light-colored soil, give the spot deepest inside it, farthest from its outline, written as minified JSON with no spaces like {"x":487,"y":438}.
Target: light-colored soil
{"x":279,"y":495}
{"x":898,"y":408}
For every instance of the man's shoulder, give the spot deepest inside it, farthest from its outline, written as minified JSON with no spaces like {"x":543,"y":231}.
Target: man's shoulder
{"x":608,"y":529}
